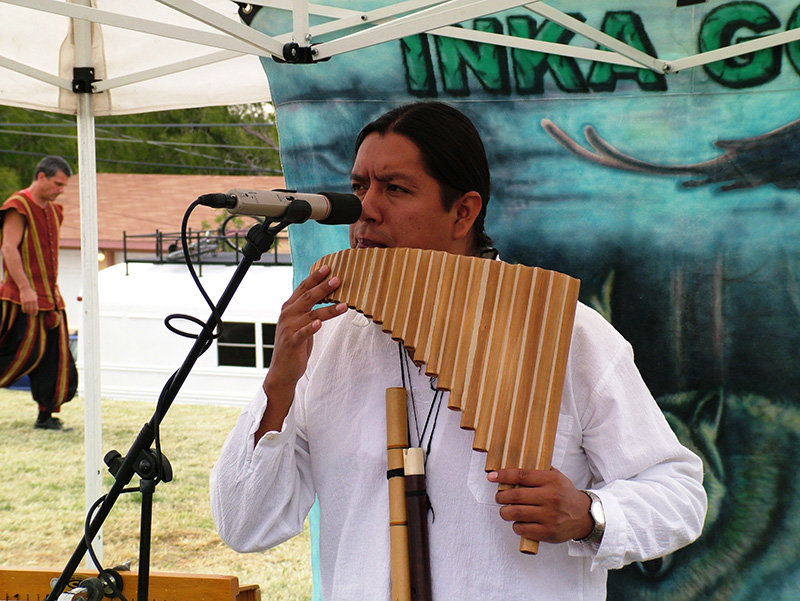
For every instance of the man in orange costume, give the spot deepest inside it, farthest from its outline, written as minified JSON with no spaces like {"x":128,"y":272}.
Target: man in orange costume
{"x":34,"y":339}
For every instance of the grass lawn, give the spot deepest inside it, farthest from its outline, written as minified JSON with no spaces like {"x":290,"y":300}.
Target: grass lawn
{"x":42,"y":497}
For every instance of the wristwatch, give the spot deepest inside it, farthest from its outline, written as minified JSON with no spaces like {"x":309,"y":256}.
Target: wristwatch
{"x":598,"y":515}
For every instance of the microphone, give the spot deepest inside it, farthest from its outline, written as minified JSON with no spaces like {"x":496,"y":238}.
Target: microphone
{"x":330,"y":208}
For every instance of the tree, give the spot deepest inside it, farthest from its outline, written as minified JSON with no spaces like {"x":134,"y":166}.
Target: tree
{"x":9,"y":181}
{"x":236,"y":140}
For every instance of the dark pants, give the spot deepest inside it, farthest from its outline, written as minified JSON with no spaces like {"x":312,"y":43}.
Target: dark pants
{"x":37,"y":346}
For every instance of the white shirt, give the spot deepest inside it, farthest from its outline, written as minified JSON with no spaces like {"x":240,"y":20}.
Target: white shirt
{"x":611,"y":437}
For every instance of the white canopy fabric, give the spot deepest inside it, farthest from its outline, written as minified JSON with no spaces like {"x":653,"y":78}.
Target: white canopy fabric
{"x":142,"y":54}
{"x":151,"y":55}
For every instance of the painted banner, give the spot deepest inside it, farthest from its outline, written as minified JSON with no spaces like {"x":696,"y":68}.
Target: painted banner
{"x":674,"y":198}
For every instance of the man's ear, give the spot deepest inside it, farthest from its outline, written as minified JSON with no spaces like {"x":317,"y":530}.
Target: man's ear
{"x":465,"y":210}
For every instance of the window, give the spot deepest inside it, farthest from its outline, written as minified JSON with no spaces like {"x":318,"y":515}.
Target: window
{"x":267,"y":342}
{"x":239,"y":343}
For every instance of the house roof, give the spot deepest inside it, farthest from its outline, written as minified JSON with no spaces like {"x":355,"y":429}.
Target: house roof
{"x":143,"y":203}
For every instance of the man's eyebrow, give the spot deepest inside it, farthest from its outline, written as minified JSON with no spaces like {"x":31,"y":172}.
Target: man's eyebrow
{"x":384,"y":177}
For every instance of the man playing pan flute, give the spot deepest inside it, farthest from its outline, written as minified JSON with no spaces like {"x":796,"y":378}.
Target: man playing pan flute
{"x":621,"y":487}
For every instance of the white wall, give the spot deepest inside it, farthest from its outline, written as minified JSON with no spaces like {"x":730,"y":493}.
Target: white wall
{"x":138,"y":353}
{"x":70,"y":282}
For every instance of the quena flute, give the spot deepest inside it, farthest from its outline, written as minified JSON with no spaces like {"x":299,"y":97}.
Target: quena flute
{"x":396,"y":442}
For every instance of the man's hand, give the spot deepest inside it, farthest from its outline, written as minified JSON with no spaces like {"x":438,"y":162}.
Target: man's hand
{"x":544,"y":505}
{"x":294,"y":332}
{"x":29,"y":300}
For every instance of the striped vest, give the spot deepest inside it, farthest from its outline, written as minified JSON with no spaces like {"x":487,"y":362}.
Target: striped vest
{"x":39,"y":251}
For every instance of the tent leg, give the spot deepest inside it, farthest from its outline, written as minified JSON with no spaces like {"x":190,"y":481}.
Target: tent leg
{"x":90,"y":322}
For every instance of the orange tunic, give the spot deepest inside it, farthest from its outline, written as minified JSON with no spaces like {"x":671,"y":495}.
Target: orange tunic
{"x":39,"y":250}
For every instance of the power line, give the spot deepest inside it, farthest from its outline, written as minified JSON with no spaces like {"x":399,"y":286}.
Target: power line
{"x":74,"y":160}
{"x":61,"y":121}
{"x":264,"y":124}
{"x":178,"y":150}
{"x":135,"y":140}
{"x":197,"y":167}
{"x":206,"y":167}
{"x":160,"y":144}
{"x":145,"y":125}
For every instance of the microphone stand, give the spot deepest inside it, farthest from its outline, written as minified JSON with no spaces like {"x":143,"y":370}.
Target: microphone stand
{"x":140,"y":459}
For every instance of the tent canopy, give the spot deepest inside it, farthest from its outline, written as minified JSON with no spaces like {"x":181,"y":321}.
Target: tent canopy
{"x":166,"y":60}
{"x":163,"y":54}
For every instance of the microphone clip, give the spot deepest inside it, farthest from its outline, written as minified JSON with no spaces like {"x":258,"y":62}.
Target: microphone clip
{"x":298,"y":211}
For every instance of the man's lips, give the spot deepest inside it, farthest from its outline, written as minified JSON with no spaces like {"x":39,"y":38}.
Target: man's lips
{"x":367,"y":243}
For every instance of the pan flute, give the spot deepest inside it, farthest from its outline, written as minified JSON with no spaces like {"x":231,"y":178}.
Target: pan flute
{"x":495,"y":335}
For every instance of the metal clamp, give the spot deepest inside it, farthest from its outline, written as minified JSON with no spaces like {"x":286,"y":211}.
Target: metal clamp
{"x":82,"y":80}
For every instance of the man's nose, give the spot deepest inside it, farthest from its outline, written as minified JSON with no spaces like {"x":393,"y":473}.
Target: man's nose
{"x":371,"y":205}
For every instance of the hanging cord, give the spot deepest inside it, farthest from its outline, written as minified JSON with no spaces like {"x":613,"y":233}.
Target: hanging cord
{"x":437,"y":402}
{"x":433,"y":411}
{"x":405,"y":378}
{"x":215,"y":333}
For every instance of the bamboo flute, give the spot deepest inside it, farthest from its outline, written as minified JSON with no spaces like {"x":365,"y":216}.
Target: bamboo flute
{"x":417,"y":517}
{"x":396,"y":443}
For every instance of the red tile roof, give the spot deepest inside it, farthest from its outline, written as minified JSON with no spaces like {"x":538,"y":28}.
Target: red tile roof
{"x":143,"y":203}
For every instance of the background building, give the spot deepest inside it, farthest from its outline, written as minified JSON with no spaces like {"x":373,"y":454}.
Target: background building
{"x":143,"y":278}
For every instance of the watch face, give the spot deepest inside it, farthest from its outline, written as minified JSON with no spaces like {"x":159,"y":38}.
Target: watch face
{"x":596,"y":509}
{"x":599,"y":517}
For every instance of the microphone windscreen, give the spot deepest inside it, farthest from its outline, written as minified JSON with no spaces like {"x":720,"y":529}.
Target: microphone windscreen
{"x":345,"y":208}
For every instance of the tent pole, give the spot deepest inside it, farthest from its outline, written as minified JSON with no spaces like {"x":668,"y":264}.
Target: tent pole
{"x":300,"y":23}
{"x":90,"y":322}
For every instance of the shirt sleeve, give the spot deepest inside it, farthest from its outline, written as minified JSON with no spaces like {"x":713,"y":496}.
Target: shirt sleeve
{"x":651,"y":486}
{"x":261,"y":493}
{"x":13,"y":204}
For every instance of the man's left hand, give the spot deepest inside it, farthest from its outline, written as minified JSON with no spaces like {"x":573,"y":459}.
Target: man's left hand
{"x":544,"y":505}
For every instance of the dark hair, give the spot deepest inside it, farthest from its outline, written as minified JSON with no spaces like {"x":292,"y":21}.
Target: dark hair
{"x":52,"y":165}
{"x":452,"y":152}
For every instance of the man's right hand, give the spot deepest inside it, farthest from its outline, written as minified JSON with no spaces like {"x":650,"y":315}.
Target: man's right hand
{"x":29,"y":301}
{"x":297,"y":324}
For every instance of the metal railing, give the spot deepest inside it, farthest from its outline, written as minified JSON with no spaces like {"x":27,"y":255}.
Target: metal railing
{"x":206,"y":247}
